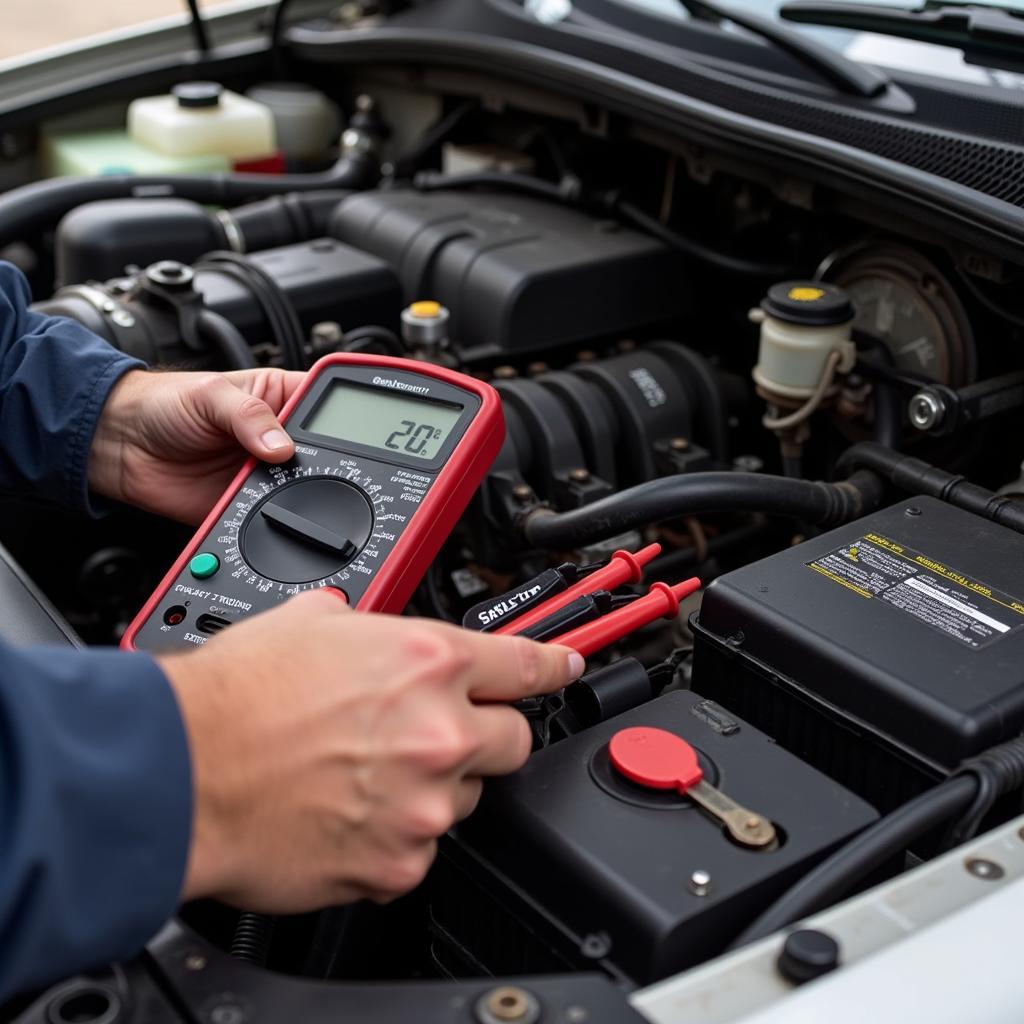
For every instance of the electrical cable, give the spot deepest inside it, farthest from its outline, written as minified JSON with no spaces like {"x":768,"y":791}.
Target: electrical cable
{"x":198,"y":27}
{"x":969,"y":793}
{"x":372,"y":338}
{"x":837,"y":874}
{"x":274,"y":40}
{"x":277,"y":308}
{"x":227,"y":339}
{"x":815,"y":502}
{"x":794,"y":419}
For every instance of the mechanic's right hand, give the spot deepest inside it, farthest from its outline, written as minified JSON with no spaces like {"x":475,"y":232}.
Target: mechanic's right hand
{"x":330,"y":748}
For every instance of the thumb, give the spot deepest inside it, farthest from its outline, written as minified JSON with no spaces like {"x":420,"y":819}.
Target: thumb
{"x":249,"y":418}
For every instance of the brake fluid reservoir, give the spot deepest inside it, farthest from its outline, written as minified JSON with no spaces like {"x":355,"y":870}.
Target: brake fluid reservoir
{"x":802,"y":323}
{"x":203,"y":118}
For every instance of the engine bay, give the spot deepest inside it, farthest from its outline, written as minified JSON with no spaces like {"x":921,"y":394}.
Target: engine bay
{"x":803,"y":400}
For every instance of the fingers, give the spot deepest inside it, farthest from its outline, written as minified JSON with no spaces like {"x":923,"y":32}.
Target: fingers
{"x":467,"y":796}
{"x":502,"y":668}
{"x":274,"y":386}
{"x":249,"y":418}
{"x":504,"y":741}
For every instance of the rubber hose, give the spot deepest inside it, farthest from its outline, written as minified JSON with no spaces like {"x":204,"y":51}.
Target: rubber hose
{"x":284,"y":220}
{"x":815,"y":502}
{"x":30,"y":209}
{"x":226,"y":338}
{"x":836,"y":875}
{"x":913,"y":476}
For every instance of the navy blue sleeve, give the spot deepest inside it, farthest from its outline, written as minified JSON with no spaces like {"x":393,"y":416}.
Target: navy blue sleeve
{"x":95,"y":780}
{"x":54,"y":378}
{"x":95,"y":810}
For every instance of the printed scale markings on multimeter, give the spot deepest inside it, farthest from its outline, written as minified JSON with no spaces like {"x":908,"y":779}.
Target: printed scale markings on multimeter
{"x":388,"y":454}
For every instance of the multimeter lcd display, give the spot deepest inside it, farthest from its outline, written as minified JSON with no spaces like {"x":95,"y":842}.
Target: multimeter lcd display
{"x":380,"y":419}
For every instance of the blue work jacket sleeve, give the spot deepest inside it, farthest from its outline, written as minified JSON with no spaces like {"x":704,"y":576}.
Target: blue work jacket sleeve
{"x":95,"y":810}
{"x":54,"y":378}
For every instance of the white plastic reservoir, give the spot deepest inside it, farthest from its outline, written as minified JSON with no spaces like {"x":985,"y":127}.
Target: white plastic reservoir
{"x":203,"y":119}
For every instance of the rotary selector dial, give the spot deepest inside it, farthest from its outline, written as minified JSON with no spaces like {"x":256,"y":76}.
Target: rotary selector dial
{"x":306,"y":530}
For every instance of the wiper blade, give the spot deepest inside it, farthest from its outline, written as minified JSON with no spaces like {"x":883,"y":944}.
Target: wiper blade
{"x":993,"y":36}
{"x":846,"y":75}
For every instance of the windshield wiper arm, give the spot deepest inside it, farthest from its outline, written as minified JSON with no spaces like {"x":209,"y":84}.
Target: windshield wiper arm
{"x":987,"y":35}
{"x":846,"y":75}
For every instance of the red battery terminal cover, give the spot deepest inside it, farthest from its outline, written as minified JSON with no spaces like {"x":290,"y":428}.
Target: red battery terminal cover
{"x":655,"y":758}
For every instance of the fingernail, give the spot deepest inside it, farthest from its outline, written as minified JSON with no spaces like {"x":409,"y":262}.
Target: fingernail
{"x":275,"y":439}
{"x":576,"y":665}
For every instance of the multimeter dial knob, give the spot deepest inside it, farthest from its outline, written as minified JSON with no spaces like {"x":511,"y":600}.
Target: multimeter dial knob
{"x":306,"y":530}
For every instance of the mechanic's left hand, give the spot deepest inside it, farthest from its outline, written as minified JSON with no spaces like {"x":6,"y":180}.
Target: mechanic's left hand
{"x":171,"y":442}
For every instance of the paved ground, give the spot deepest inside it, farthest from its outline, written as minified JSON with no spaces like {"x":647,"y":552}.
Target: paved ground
{"x":32,"y":24}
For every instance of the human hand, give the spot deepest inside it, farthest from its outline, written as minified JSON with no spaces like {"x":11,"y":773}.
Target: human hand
{"x":171,"y":442}
{"x":331,"y":748}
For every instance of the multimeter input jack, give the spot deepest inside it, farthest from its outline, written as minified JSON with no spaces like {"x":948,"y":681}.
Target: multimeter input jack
{"x":212,"y":623}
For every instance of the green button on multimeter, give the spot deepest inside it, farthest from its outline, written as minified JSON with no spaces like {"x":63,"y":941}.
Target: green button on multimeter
{"x":204,"y":565}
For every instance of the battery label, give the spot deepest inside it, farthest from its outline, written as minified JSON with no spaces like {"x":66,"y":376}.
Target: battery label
{"x":877,"y":568}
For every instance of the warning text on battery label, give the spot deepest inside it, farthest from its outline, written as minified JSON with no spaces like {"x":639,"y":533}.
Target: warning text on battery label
{"x":876,"y":567}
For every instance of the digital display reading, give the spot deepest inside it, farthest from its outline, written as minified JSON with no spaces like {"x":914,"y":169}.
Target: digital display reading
{"x":383,"y":420}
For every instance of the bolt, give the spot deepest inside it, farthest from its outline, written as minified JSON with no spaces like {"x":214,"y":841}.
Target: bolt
{"x":575,"y":1014}
{"x":679,"y":444}
{"x":586,"y":356}
{"x":364,"y":103}
{"x":988,"y":870}
{"x":505,"y":372}
{"x":752,"y":823}
{"x":536,"y":369}
{"x":195,"y":962}
{"x":227,"y":1013}
{"x":579,"y":476}
{"x":522,"y":492}
{"x":748,"y":464}
{"x":122,"y":318}
{"x":926,"y":410}
{"x":699,"y":883}
{"x":327,"y":332}
{"x":596,"y":946}
{"x":913,"y":510}
{"x":508,"y":1003}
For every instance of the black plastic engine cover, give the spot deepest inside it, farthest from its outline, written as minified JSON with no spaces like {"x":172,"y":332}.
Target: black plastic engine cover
{"x":518,"y":274}
{"x":604,"y":857}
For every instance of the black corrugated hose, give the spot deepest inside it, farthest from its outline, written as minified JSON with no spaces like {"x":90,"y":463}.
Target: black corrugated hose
{"x":913,"y":476}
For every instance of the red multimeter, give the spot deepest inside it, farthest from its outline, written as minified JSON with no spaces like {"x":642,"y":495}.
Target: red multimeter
{"x":388,"y":453}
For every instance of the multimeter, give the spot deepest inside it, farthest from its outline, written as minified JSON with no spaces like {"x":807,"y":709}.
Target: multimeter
{"x":388,"y":453}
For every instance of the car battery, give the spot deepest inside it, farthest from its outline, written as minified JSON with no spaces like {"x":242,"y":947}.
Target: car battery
{"x":570,"y":864}
{"x":884,"y":652}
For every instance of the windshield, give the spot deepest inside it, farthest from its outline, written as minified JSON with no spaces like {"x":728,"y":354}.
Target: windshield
{"x":32,"y":25}
{"x":872,"y":48}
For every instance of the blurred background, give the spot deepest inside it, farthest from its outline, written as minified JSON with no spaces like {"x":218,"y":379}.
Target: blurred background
{"x":35,"y":24}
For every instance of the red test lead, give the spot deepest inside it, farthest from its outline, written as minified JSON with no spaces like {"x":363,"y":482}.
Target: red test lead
{"x":661,"y":601}
{"x":623,"y":567}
